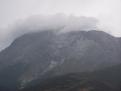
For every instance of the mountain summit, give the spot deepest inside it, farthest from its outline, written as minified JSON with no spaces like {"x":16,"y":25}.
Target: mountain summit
{"x":49,"y":53}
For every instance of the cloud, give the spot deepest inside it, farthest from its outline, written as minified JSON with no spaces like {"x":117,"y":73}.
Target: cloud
{"x":58,"y":22}
{"x":108,"y":12}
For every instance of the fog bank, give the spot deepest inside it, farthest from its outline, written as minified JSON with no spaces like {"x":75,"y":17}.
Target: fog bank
{"x":58,"y":22}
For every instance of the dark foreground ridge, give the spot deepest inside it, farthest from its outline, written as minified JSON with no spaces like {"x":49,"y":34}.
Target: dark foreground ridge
{"x":108,"y":79}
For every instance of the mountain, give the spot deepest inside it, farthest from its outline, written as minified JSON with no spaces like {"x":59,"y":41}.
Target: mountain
{"x":50,"y":53}
{"x":108,"y":79}
{"x":70,"y":83}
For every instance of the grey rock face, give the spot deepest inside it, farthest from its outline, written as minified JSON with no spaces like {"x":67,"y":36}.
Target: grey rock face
{"x":48,"y":53}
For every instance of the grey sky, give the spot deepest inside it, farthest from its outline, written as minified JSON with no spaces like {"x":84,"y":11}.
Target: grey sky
{"x":108,"y":12}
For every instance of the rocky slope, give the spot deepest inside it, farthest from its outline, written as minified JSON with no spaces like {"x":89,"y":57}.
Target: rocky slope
{"x":108,"y":79}
{"x":49,"y":53}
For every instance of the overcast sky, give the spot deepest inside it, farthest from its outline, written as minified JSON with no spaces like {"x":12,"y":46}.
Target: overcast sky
{"x":108,"y":12}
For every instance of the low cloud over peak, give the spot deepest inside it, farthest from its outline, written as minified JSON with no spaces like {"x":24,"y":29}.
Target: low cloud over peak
{"x":58,"y":22}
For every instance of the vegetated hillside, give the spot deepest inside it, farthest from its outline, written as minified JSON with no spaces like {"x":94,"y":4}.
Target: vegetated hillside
{"x":108,"y":79}
{"x":49,"y":53}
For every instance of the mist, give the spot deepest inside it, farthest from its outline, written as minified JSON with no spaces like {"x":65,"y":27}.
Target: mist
{"x":59,"y":22}
{"x":18,"y":17}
